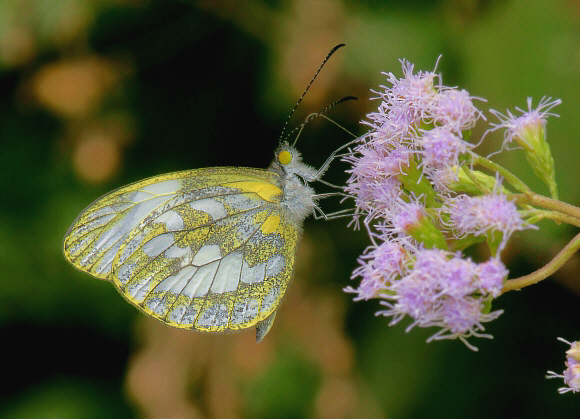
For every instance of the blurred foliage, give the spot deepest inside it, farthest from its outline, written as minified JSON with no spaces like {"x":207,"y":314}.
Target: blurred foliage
{"x":96,"y":94}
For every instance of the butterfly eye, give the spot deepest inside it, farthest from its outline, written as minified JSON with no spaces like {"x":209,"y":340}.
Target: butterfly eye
{"x":285,"y":157}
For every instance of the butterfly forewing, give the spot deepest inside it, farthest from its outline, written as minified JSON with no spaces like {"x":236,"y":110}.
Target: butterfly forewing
{"x":208,"y":249}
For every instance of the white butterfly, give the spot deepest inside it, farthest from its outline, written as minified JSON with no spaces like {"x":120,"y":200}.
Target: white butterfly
{"x":207,"y":249}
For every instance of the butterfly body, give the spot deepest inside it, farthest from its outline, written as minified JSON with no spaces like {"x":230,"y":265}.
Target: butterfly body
{"x":206,"y":249}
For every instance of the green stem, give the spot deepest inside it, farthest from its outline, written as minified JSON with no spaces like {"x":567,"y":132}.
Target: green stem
{"x":548,"y":203}
{"x":476,"y":182}
{"x":554,"y":216}
{"x":506,"y":174}
{"x":545,"y":271}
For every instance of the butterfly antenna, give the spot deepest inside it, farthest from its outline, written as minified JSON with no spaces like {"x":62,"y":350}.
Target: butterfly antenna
{"x":332,"y":51}
{"x":314,"y":115}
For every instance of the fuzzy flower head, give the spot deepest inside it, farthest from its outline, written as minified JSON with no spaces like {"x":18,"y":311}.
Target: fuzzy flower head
{"x":528,"y":129}
{"x":441,"y":147}
{"x":392,"y":123}
{"x":443,"y":178}
{"x":404,"y":105}
{"x":444,"y":290}
{"x":408,"y":217}
{"x":454,"y":109}
{"x":480,"y":215}
{"x":571,"y":374}
{"x":374,"y":176}
{"x":529,"y":132}
{"x":379,"y":266}
{"x":491,"y":276}
{"x":412,"y":91}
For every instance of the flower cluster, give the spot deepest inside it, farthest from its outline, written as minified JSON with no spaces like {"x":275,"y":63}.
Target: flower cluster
{"x":443,"y":289}
{"x":571,"y":374}
{"x":422,"y":202}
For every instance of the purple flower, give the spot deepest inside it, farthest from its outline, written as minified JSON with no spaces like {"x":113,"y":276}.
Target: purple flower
{"x":398,"y":135}
{"x":392,"y":123}
{"x":415,"y":92}
{"x":529,"y":126}
{"x":454,"y":109}
{"x":480,"y":214}
{"x":379,"y":266}
{"x":529,"y":132}
{"x":441,"y":148}
{"x":441,"y":289}
{"x":460,"y":277}
{"x":373,"y":177}
{"x":442,"y":178}
{"x":463,"y":318}
{"x":403,"y":106}
{"x":571,"y":374}
{"x":491,"y":276}
{"x":406,"y":216}
{"x":572,"y":378}
{"x":461,"y":314}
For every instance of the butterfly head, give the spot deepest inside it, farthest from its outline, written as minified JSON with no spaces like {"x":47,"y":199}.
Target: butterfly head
{"x":285,"y":157}
{"x":288,"y":162}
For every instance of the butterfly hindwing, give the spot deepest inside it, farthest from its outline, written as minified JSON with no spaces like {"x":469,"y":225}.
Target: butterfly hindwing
{"x":207,"y":249}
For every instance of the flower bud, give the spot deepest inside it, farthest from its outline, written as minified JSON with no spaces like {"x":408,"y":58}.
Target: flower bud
{"x":473,"y":182}
{"x":529,"y":132}
{"x":413,"y":220}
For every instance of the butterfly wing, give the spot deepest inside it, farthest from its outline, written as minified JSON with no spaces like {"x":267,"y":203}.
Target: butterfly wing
{"x":208,"y":249}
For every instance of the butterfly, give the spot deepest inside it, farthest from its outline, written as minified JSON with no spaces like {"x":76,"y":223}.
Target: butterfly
{"x":206,"y":249}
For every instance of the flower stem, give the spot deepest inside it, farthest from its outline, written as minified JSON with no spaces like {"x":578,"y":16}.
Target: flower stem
{"x":506,"y":174}
{"x":548,"y":203}
{"x":545,"y":271}
{"x":556,"y":216}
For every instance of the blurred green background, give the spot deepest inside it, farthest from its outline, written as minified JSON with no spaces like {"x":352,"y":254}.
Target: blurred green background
{"x":97,"y":94}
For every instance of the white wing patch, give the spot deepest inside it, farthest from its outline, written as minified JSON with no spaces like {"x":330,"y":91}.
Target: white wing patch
{"x":176,"y":252}
{"x":228,"y":275}
{"x":213,"y":208}
{"x":253,"y":274}
{"x":276,"y":265}
{"x":172,"y":220}
{"x":207,"y":254}
{"x":158,"y":244}
{"x":161,"y":188}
